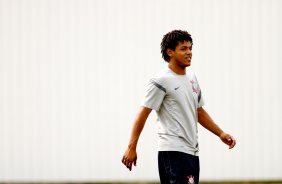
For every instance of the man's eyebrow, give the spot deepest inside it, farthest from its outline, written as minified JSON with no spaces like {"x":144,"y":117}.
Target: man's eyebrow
{"x":184,"y":46}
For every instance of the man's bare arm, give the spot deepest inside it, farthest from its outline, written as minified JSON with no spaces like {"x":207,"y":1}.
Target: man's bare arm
{"x":206,"y":121}
{"x":130,"y":155}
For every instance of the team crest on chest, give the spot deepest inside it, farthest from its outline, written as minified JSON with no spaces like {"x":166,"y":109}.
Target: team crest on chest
{"x":195,"y":87}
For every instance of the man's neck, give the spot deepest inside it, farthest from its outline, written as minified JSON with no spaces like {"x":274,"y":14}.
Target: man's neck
{"x":177,"y":69}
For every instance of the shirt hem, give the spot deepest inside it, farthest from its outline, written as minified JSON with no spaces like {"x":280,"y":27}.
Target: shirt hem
{"x":190,"y":152}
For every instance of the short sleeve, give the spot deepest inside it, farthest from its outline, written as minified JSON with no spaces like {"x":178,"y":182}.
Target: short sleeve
{"x":154,"y":95}
{"x":201,"y":101}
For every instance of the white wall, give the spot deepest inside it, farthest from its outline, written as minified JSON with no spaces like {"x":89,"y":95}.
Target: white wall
{"x":73,"y":73}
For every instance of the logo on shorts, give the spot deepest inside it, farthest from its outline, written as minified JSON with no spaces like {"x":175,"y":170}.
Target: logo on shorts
{"x":191,"y":179}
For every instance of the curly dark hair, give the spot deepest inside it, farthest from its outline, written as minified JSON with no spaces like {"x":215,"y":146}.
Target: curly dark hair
{"x":171,"y":40}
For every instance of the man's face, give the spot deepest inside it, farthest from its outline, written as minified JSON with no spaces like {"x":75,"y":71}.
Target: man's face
{"x":182,"y":54}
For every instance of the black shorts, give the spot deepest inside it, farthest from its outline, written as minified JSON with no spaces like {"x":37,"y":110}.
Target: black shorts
{"x":178,"y":168}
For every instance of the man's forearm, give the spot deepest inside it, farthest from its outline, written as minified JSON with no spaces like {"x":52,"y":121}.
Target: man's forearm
{"x":130,"y":156}
{"x":206,"y":121}
{"x":138,"y":126}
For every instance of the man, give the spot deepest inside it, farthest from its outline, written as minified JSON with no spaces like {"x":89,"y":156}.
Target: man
{"x":175,"y":95}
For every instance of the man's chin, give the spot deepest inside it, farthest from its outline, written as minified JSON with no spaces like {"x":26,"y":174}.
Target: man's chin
{"x":187,"y":64}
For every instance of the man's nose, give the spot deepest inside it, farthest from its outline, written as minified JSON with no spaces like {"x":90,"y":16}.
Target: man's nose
{"x":189,"y":51}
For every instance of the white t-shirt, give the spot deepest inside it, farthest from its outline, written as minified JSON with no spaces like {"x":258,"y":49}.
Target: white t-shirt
{"x":175,"y":99}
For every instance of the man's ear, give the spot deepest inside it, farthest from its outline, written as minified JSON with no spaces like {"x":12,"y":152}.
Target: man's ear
{"x":169,"y":52}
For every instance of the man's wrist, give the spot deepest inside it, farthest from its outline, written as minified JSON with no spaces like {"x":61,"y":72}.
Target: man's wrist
{"x":132,"y":146}
{"x":221,"y":134}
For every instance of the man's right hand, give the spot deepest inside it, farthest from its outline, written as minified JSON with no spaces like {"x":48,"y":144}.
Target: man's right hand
{"x":129,"y":158}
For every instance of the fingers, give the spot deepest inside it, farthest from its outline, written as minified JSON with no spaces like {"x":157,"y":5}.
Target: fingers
{"x":228,"y":139}
{"x":135,"y":161}
{"x":231,"y":141}
{"x":128,"y":163}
